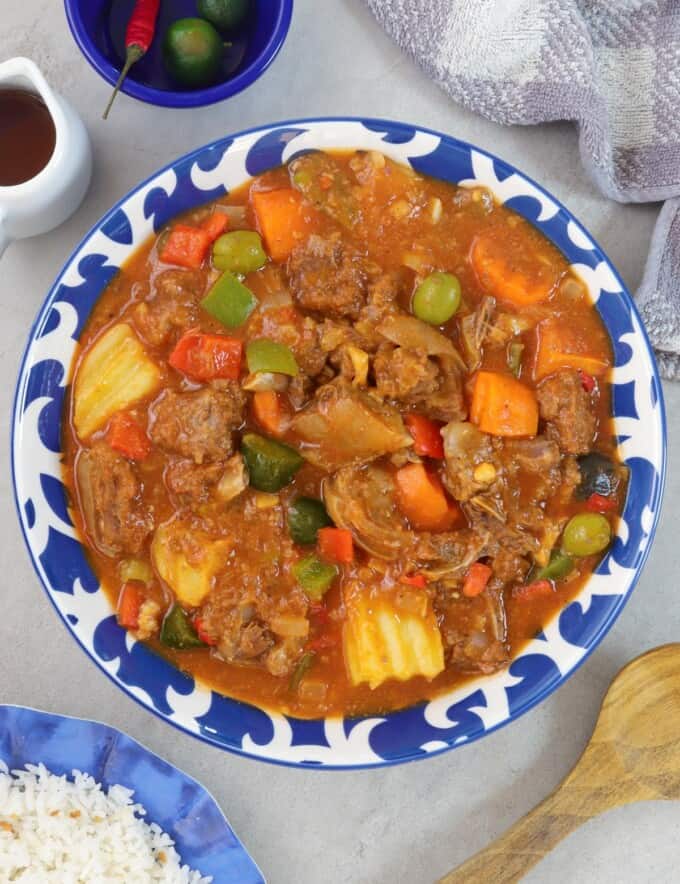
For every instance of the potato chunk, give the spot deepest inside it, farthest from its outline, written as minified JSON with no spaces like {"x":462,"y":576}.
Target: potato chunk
{"x":114,"y":373}
{"x":383,"y":640}
{"x":188,"y":560}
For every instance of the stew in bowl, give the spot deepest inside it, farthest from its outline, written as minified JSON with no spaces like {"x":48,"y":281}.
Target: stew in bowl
{"x":343,"y":438}
{"x":338,"y":443}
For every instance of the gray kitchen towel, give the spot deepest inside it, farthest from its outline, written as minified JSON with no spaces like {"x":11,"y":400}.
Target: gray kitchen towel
{"x":612,"y":66}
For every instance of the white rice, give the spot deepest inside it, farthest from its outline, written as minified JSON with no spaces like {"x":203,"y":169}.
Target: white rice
{"x":54,"y":829}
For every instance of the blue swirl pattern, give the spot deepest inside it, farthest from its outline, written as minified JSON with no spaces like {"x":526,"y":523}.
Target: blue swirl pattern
{"x":466,"y":713}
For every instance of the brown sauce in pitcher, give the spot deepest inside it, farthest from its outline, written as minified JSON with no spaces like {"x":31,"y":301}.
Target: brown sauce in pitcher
{"x":27,"y":136}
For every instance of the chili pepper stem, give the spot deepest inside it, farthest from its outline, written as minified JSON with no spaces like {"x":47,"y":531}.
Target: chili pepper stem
{"x":132,"y":55}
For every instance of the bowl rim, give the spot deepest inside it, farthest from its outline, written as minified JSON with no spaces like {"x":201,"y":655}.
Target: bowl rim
{"x":540,"y":694}
{"x":181,"y":98}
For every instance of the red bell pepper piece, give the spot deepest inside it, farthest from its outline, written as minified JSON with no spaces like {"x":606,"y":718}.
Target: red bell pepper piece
{"x":598,"y":503}
{"x":322,"y":643}
{"x":186,"y":247}
{"x":417,"y":580}
{"x":204,"y":357}
{"x":336,"y":545}
{"x":538,"y":589}
{"x":215,"y":225}
{"x":126,"y":436}
{"x":427,"y":439}
{"x":320,"y":612}
{"x":587,"y":381}
{"x":204,"y":636}
{"x":129,"y":604}
{"x":477,"y":577}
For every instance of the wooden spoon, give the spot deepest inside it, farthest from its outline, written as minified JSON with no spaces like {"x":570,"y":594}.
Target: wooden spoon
{"x":633,"y":755}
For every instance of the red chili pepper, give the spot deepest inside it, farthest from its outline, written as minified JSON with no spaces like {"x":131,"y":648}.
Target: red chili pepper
{"x":138,"y":36}
{"x":598,"y":503}
{"x":587,"y":381}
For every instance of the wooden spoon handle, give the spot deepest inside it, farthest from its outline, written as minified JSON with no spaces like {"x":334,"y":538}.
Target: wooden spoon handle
{"x":511,"y":856}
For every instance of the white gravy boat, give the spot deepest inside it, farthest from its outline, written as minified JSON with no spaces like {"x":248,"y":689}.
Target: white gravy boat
{"x":48,"y":199}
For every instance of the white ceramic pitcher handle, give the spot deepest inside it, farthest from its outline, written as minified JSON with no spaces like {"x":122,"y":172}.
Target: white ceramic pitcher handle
{"x":5,"y":239}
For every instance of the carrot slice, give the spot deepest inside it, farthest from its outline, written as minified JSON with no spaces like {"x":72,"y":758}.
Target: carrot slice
{"x":423,"y":501}
{"x":268,"y":412}
{"x":499,"y":271}
{"x":336,"y":545}
{"x":503,"y":406}
{"x":476,"y":579}
{"x":126,"y":436}
{"x":129,"y":604}
{"x":559,"y":347}
{"x":283,"y":220}
{"x":186,"y":247}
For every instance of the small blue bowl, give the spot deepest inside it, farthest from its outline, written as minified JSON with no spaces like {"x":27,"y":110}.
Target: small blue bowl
{"x":178,"y":804}
{"x":98,"y":27}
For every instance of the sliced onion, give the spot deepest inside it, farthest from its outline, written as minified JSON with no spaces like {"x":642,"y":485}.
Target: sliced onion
{"x":234,"y":479}
{"x":275,"y":300}
{"x":290,"y":627}
{"x":408,"y":331}
{"x":258,"y":381}
{"x":236,"y":214}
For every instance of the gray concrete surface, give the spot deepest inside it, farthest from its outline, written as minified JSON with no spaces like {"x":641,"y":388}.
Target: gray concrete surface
{"x":403,"y":824}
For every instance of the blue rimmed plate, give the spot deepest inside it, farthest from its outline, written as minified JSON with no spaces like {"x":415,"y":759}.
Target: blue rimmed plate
{"x":178,"y":804}
{"x":464,"y":714}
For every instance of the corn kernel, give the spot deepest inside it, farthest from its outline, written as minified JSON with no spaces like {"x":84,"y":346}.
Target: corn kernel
{"x":485,"y":473}
{"x":400,"y":209}
{"x":265,"y":501}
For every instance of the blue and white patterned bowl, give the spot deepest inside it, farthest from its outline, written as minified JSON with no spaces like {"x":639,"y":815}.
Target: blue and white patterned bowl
{"x":464,"y":714}
{"x":178,"y":804}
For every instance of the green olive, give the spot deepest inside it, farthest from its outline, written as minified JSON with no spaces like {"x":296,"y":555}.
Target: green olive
{"x":437,"y":298}
{"x":239,"y":252}
{"x":586,"y":534}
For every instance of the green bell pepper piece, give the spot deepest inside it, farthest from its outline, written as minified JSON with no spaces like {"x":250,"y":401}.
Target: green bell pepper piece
{"x":271,"y":465}
{"x":239,"y":251}
{"x":560,"y":565}
{"x":266,"y":355}
{"x":301,"y":670}
{"x":305,"y":516}
{"x":177,"y":631}
{"x":229,"y":301}
{"x":314,"y":576}
{"x":514,"y":357}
